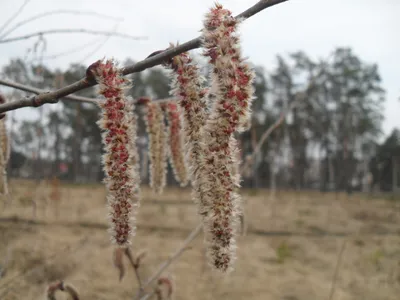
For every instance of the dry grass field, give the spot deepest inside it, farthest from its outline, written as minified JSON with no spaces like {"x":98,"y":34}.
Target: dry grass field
{"x":290,"y":251}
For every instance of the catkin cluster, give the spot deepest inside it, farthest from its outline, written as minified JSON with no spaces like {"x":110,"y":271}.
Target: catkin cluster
{"x":205,"y":133}
{"x":212,"y":147}
{"x":120,"y":159}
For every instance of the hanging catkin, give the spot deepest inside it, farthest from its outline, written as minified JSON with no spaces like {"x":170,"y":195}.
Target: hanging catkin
{"x":176,"y":143}
{"x":120,"y":159}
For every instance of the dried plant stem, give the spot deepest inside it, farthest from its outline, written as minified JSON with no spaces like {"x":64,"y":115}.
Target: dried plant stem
{"x":135,"y":267}
{"x":337,"y":268}
{"x":170,"y":260}
{"x":52,"y":97}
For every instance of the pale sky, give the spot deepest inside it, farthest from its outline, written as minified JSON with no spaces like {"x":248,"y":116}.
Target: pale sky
{"x":314,"y":26}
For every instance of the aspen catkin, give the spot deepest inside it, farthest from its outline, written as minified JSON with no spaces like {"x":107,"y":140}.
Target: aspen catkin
{"x":229,"y":113}
{"x":156,"y":131}
{"x":120,"y":160}
{"x":176,"y":143}
{"x":188,"y":86}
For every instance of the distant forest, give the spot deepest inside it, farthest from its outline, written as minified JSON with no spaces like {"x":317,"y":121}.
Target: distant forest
{"x":327,"y":141}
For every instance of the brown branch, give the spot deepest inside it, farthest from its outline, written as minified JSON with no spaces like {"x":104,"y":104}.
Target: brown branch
{"x":170,"y":260}
{"x":31,"y":89}
{"x":63,"y":30}
{"x":152,"y":61}
{"x":57,"y":12}
{"x":21,"y":103}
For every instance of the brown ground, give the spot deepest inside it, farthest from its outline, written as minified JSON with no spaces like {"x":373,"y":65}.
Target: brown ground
{"x":289,"y":253}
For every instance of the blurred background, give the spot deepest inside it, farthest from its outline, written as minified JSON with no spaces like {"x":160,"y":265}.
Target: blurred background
{"x":327,"y":71}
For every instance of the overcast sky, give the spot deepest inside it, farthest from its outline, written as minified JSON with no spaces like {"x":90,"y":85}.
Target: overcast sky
{"x":315,"y":26}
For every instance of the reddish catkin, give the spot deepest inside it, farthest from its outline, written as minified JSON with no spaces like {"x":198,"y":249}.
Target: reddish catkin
{"x":188,"y":86}
{"x":232,"y":73}
{"x":176,"y":143}
{"x":120,"y":160}
{"x":156,"y":130}
{"x":229,"y":113}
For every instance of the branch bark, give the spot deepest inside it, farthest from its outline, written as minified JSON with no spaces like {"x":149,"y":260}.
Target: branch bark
{"x":28,"y":88}
{"x":52,"y":97}
{"x":34,"y":90}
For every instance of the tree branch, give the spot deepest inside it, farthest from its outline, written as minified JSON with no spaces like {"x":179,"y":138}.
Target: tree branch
{"x":32,"y":89}
{"x":56,"y":12}
{"x":63,"y":30}
{"x":27,"y":88}
{"x":14,"y":16}
{"x":264,"y":137}
{"x":152,"y":61}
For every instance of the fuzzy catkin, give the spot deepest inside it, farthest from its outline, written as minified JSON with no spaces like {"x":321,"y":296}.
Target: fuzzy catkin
{"x":157,"y":132}
{"x":229,"y":113}
{"x":188,"y":86}
{"x":120,"y":159}
{"x":176,"y":143}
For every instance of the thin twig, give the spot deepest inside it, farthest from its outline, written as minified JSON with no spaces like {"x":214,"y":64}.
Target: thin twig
{"x":152,"y":61}
{"x":72,"y":50}
{"x":57,"y":12}
{"x":263,"y":138}
{"x":299,"y":98}
{"x":337,"y":268}
{"x":170,"y":260}
{"x":98,"y":47}
{"x":14,"y":16}
{"x":135,"y":267}
{"x":68,"y":30}
{"x":149,"y":295}
{"x":32,"y":89}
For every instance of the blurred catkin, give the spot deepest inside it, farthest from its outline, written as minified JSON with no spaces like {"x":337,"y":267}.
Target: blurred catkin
{"x":156,"y":130}
{"x":176,"y":143}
